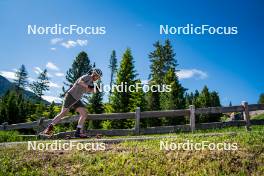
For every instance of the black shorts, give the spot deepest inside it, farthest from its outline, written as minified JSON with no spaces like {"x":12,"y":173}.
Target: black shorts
{"x":72,"y":103}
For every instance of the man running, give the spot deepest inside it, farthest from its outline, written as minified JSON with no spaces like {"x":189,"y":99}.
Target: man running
{"x":72,"y":100}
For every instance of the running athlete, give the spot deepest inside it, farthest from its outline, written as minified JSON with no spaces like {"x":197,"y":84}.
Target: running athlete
{"x":72,"y":100}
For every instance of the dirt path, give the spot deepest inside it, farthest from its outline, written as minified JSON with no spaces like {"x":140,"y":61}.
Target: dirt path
{"x":121,"y":139}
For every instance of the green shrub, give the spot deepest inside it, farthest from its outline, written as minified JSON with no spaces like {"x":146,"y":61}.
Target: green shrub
{"x":10,"y":136}
{"x":106,"y":125}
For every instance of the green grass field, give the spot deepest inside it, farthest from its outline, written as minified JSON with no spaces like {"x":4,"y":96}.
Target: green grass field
{"x":260,"y":116}
{"x":145,"y":158}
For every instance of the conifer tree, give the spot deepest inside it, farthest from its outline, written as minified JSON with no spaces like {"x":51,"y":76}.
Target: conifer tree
{"x":156,"y":78}
{"x":13,"y":108}
{"x":169,"y":57}
{"x":189,"y":97}
{"x":51,"y":110}
{"x":173,"y":99}
{"x":163,"y":71}
{"x":80,"y":66}
{"x":126,"y":75}
{"x":95,"y":106}
{"x":41,"y":84}
{"x":138,"y":99}
{"x":21,"y":78}
{"x":215,"y":100}
{"x":195,"y":101}
{"x":261,"y":99}
{"x":209,"y":99}
{"x":120,"y":101}
{"x":113,"y":68}
{"x":204,"y":97}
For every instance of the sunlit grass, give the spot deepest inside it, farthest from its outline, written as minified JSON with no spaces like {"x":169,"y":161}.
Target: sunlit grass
{"x":145,"y":157}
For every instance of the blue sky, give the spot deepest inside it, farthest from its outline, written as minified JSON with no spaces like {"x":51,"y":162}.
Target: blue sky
{"x":230,"y":64}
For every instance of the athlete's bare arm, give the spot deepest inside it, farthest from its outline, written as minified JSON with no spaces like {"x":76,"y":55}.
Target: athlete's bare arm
{"x":88,"y":89}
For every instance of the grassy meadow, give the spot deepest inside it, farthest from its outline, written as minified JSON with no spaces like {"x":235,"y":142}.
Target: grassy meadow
{"x":145,"y":157}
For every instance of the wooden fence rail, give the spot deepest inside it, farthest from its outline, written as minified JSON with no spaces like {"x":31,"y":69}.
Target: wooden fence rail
{"x":138,"y":115}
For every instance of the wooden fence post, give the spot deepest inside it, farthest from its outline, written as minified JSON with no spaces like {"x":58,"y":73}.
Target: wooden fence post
{"x":192,"y":117}
{"x":4,"y":125}
{"x":246,"y":115}
{"x":137,"y":124}
{"x":40,"y":126}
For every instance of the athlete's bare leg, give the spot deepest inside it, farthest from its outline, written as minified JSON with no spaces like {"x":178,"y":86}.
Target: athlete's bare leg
{"x":58,"y":117}
{"x":83,"y":116}
{"x":56,"y":120}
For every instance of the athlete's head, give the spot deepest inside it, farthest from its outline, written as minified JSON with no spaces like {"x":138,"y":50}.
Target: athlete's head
{"x":96,"y":74}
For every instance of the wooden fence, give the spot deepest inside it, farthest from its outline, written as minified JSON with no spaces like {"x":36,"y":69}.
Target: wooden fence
{"x":138,"y":115}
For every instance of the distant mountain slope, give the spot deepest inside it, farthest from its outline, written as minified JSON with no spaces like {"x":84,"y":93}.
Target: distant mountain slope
{"x":6,"y":85}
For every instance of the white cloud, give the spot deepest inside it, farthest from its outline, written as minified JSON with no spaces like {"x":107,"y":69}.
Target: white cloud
{"x":37,"y":70}
{"x":55,"y":40}
{"x":52,"y":66}
{"x":67,"y":44}
{"x":82,"y":42}
{"x":49,"y":75}
{"x":31,"y":79}
{"x":52,"y":84}
{"x":51,"y":98}
{"x":59,"y":74}
{"x":71,"y":43}
{"x":8,"y":74}
{"x":190,"y":73}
